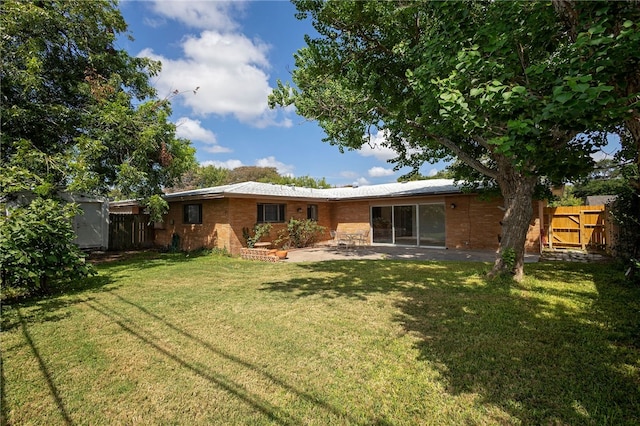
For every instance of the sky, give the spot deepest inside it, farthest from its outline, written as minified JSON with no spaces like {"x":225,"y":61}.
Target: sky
{"x":234,"y":53}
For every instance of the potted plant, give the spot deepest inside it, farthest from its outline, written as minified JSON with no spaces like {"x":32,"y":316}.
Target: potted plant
{"x":282,"y":253}
{"x":283,"y":243}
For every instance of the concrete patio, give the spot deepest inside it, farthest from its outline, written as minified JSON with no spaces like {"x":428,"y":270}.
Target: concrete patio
{"x":321,"y":253}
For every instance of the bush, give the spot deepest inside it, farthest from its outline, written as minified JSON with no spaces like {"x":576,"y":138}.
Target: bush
{"x":299,"y":233}
{"x":259,"y":230}
{"x":36,"y":249}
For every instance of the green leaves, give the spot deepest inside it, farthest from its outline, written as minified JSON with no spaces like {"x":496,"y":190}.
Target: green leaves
{"x":80,"y":115}
{"x":82,"y":107}
{"x":36,"y":248}
{"x":503,"y":86}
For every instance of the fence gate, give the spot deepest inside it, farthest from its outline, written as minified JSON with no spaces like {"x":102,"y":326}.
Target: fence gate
{"x":129,"y":231}
{"x":575,"y":227}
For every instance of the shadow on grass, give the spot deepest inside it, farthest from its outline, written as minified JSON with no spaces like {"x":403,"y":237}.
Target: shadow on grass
{"x":545,"y":355}
{"x":44,"y":369}
{"x":145,"y":259}
{"x":51,"y":307}
{"x":258,"y":403}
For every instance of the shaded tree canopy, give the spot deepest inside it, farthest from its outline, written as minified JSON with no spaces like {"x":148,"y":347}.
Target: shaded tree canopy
{"x":514,"y":91}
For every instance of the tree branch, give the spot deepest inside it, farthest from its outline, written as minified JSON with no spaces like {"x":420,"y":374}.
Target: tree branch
{"x":463,"y":156}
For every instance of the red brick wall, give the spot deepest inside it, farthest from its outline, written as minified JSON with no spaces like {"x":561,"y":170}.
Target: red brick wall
{"x":212,"y":232}
{"x":472,"y":224}
{"x":243,"y":213}
{"x":475,"y":224}
{"x":350,"y":216}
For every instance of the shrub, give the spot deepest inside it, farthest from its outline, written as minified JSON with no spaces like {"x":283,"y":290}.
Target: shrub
{"x":299,"y":233}
{"x":259,"y":230}
{"x":36,"y":248}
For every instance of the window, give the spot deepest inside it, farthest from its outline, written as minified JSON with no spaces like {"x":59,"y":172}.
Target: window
{"x":192,"y":213}
{"x":271,"y":213}
{"x":312,"y":212}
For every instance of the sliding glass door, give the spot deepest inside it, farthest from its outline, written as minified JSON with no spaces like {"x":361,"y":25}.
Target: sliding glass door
{"x":405,"y":226}
{"x":381,"y":221}
{"x":413,"y":225}
{"x":432,"y":225}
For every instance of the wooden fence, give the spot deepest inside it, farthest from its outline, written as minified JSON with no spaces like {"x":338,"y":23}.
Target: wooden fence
{"x":581,"y":227}
{"x":130,"y":231}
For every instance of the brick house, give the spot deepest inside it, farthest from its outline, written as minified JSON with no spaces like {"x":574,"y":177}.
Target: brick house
{"x":432,"y":213}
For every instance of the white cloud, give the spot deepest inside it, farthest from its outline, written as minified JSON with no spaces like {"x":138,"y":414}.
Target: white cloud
{"x":200,"y":14}
{"x":348,"y":174}
{"x":226,"y":49}
{"x":380,"y":172}
{"x":216,"y":149}
{"x":228,"y":69}
{"x":433,"y":172}
{"x":229,"y":164}
{"x":192,"y":129}
{"x":361,"y":181}
{"x":283,"y":169}
{"x":234,"y":85}
{"x":153,"y":22}
{"x":376,"y":147}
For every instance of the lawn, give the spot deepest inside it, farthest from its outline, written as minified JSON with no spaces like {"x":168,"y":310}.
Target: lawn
{"x":177,"y":339}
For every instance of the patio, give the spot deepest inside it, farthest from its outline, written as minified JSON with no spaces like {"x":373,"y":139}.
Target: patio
{"x":321,"y":253}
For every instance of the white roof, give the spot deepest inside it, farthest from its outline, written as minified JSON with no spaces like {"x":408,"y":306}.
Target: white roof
{"x":398,"y":189}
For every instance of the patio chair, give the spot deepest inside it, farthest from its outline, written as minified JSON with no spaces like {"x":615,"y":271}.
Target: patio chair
{"x":342,"y":240}
{"x":361,"y":238}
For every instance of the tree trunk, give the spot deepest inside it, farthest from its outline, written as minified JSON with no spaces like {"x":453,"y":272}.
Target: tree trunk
{"x":633,"y":125}
{"x":517,"y":191}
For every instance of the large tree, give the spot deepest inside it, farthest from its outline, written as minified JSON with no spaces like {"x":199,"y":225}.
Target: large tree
{"x":78,"y":114}
{"x":505,"y":88}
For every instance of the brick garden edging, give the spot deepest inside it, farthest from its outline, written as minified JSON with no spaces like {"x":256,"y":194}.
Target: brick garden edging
{"x":264,"y":255}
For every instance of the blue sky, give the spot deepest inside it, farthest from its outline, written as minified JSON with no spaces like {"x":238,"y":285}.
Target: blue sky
{"x":235,"y":52}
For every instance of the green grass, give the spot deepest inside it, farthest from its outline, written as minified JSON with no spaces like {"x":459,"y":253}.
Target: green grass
{"x":175,"y":339}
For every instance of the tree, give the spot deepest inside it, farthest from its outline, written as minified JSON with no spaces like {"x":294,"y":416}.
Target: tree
{"x":208,"y":176}
{"x":301,"y":181}
{"x":606,"y":178}
{"x":201,"y":177}
{"x":609,"y":23}
{"x":78,"y":115}
{"x":253,"y":173}
{"x":441,"y":174}
{"x":503,"y":87}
